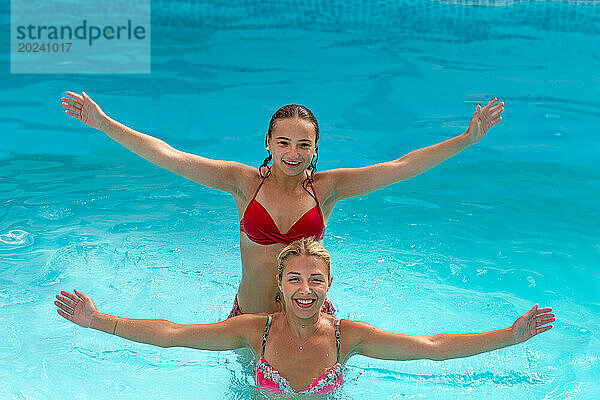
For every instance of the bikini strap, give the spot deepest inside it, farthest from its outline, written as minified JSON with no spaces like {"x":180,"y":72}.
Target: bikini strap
{"x":316,"y":199}
{"x":315,"y":193}
{"x":337,"y":338}
{"x":258,"y":188}
{"x":265,"y":334}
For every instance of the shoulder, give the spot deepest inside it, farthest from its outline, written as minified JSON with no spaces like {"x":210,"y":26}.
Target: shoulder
{"x":334,"y":181}
{"x":324,"y":183}
{"x":354,"y":332}
{"x":250,"y":327}
{"x":324,"y":177}
{"x":355,"y":327}
{"x":246,"y":172}
{"x":249,"y":322}
{"x":249,"y":178}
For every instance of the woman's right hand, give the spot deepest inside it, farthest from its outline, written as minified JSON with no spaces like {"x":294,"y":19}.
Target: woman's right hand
{"x":77,"y":308}
{"x":82,"y":107}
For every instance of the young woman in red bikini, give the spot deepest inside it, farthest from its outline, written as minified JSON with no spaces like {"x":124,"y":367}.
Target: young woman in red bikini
{"x":302,"y":350}
{"x":288,"y":200}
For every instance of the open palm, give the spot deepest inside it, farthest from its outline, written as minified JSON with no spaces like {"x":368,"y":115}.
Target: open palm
{"x":483,"y":119}
{"x":82,"y":107}
{"x":77,"y":308}
{"x":531,"y":323}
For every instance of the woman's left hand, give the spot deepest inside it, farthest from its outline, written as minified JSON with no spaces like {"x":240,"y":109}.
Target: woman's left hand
{"x":531,"y":323}
{"x":483,"y":119}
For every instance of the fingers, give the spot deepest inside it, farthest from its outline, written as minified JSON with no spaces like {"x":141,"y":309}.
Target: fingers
{"x":545,"y":316}
{"x":488,"y":105}
{"x":544,"y":319}
{"x":87,"y":98}
{"x":489,"y":115}
{"x":492,"y":106}
{"x":65,"y":315}
{"x":73,"y":106}
{"x":73,"y":115}
{"x":543,"y":329}
{"x":494,"y":111}
{"x":73,"y":102}
{"x":532,"y":309}
{"x":497,"y":106}
{"x":476,"y":115}
{"x":74,"y":95}
{"x":68,"y":302}
{"x":544,"y":311}
{"x":488,"y":123}
{"x":73,"y":109}
{"x":81,"y":295}
{"x":70,"y":296}
{"x":540,"y":311}
{"x":494,"y":122}
{"x":63,"y":307}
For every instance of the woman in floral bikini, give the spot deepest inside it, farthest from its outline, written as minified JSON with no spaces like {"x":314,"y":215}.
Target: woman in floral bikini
{"x":302,"y":349}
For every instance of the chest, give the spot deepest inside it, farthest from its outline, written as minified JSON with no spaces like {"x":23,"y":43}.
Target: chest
{"x":301,"y":367}
{"x":285,"y":210}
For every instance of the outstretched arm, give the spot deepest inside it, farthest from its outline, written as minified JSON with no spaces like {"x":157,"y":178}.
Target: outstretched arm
{"x":376,"y":343}
{"x":350,"y":182}
{"x":216,"y":174}
{"x":226,"y":335}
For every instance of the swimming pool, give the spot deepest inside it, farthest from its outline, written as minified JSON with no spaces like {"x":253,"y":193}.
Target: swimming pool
{"x":467,"y":246}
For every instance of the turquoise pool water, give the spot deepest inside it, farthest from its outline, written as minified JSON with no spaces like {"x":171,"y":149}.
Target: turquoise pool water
{"x":467,"y":246}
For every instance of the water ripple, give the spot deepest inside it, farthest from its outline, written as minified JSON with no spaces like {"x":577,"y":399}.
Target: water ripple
{"x":15,"y":239}
{"x":511,"y":378}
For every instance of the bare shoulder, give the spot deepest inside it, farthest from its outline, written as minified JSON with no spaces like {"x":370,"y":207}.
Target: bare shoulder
{"x":324,"y":184}
{"x":325,"y":178}
{"x":352,"y":333}
{"x":245,"y":172}
{"x":333,"y":179}
{"x":249,"y":323}
{"x":249,"y":178}
{"x":355,"y":331}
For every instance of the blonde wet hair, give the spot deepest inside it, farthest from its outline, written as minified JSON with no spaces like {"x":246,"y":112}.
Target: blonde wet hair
{"x":304,"y":247}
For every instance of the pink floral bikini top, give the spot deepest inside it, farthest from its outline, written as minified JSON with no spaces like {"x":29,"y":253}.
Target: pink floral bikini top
{"x":270,"y":380}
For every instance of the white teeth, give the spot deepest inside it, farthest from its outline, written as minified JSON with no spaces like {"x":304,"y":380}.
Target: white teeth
{"x":302,"y":301}
{"x":292,"y":163}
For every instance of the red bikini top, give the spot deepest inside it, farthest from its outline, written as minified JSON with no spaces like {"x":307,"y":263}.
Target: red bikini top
{"x":260,"y":227}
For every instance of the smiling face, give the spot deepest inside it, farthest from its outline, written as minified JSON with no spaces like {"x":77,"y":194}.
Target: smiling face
{"x":292,"y":143}
{"x":304,"y":283}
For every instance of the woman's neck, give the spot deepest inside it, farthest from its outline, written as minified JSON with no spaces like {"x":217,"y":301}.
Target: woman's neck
{"x":302,"y":327}
{"x":287,"y":183}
